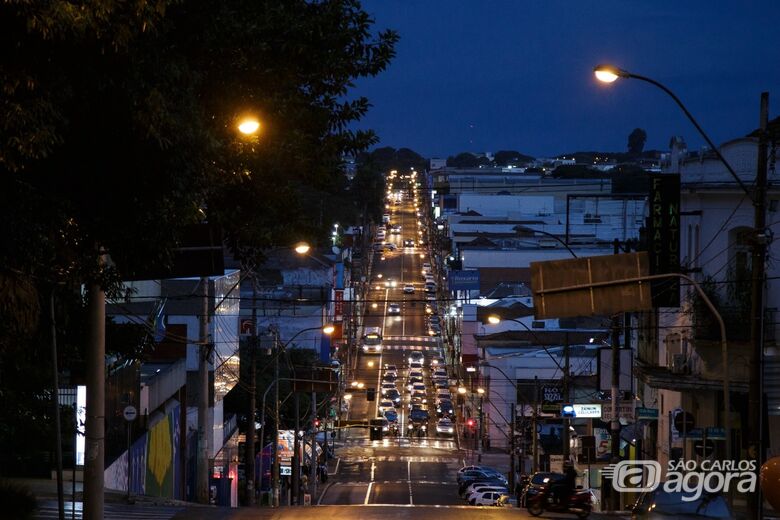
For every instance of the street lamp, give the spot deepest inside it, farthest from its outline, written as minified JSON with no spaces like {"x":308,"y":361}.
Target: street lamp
{"x":327,"y":329}
{"x":301,"y":248}
{"x":609,"y":74}
{"x":249,"y":126}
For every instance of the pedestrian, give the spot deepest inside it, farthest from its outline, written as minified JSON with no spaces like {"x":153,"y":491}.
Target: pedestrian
{"x":323,"y":473}
{"x":305,"y":483}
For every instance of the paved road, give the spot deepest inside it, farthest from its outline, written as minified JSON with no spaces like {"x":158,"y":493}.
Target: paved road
{"x":48,"y":509}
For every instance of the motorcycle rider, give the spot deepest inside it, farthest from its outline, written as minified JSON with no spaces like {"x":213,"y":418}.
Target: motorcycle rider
{"x":563,"y":489}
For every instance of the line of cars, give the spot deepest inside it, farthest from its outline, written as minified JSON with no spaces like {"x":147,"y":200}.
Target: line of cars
{"x":482,"y":486}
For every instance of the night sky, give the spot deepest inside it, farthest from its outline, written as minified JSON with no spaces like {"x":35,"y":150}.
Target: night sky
{"x":488,"y":75}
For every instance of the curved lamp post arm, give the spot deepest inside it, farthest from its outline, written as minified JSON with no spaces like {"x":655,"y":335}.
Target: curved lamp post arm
{"x":625,"y":74}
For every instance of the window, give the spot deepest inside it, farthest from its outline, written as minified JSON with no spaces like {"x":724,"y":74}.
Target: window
{"x":739,"y":249}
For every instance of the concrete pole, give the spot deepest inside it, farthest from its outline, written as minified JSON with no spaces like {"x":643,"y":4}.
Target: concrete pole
{"x":512,"y":449}
{"x":96,"y":405}
{"x":56,"y":399}
{"x":296,"y":461}
{"x":756,"y":445}
{"x":275,"y":441}
{"x":313,"y":468}
{"x":202,"y":483}
{"x":566,"y":398}
{"x":481,"y":433}
{"x":250,"y":434}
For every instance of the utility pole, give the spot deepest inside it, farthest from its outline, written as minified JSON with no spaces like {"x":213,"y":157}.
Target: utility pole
{"x":534,"y":424}
{"x":481,"y":431}
{"x":512,"y":448}
{"x":566,"y":398}
{"x":275,"y":470}
{"x":56,"y":399}
{"x":296,"y":460}
{"x":202,"y":484}
{"x":313,"y":460}
{"x":756,"y":447}
{"x":250,"y":434}
{"x":96,"y":404}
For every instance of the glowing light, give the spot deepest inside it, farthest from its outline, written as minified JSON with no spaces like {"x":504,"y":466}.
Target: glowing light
{"x":493,"y":319}
{"x":302,"y":248}
{"x":249,"y":126}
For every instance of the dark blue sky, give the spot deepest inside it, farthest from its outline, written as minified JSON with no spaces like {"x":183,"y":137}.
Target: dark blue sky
{"x":487,"y":75}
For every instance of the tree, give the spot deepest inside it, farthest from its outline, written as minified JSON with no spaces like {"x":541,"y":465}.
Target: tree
{"x":510,"y":157}
{"x":467,"y":160}
{"x":636,"y":141}
{"x":119,"y":129}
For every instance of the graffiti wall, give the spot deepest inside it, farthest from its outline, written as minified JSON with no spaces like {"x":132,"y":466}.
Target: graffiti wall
{"x":155,"y":462}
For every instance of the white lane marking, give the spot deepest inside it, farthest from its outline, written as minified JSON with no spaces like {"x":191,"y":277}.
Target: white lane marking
{"x":371,"y":484}
{"x":324,"y":491}
{"x":368,"y":493}
{"x":409,"y":480}
{"x":336,"y":471}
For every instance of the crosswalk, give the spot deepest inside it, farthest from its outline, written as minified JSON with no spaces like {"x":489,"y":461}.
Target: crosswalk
{"x":422,"y":348}
{"x":412,"y":339}
{"x":402,"y":442}
{"x":48,"y":509}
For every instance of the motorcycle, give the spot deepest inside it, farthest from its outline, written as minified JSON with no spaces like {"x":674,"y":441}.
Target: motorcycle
{"x":540,"y":500}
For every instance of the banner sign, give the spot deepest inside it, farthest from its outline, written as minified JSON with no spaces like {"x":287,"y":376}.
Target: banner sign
{"x":338,"y":305}
{"x":663,"y":237}
{"x":464,"y":280}
{"x":587,"y":411}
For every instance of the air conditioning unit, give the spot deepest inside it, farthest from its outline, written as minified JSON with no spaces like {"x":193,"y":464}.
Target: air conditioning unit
{"x":679,"y":364}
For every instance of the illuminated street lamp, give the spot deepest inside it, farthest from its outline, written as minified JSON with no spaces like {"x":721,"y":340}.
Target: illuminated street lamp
{"x":302,"y":248}
{"x":249,"y":126}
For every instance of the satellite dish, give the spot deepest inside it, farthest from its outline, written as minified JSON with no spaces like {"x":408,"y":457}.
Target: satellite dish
{"x":336,"y":250}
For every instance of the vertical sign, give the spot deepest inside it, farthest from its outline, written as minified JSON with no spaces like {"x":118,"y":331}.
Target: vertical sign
{"x":663,"y":237}
{"x":338,"y":305}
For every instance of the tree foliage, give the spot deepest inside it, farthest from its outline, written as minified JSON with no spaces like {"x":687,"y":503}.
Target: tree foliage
{"x":510,"y":158}
{"x":467,"y":160}
{"x":636,"y":141}
{"x":118,"y":128}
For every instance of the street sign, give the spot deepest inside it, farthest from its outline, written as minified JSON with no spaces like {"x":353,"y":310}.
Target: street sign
{"x":285,"y":470}
{"x":464,"y":280}
{"x":625,"y":411}
{"x":130,"y":413}
{"x":694,"y":434}
{"x":683,"y":422}
{"x":716,"y":433}
{"x":556,"y":463}
{"x":646,"y":414}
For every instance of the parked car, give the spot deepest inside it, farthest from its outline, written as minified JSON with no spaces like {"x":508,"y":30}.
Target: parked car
{"x":489,"y":498}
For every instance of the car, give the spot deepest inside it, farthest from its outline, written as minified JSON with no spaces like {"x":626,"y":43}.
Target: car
{"x":440,"y":373}
{"x":389,"y":377}
{"x":443,"y":395}
{"x":387,"y":387}
{"x":489,"y":498}
{"x":426,"y":267}
{"x":409,"y":288}
{"x":416,"y":355}
{"x":444,"y":408}
{"x":437,"y":361}
{"x":391,"y":283}
{"x":392,"y":369}
{"x":441,"y":384}
{"x":394,"y":308}
{"x":418,"y":415}
{"x":430,"y":297}
{"x":396,"y":230}
{"x":434,"y":331}
{"x":391,"y":415}
{"x":389,"y":247}
{"x":486,"y":474}
{"x":386,"y":218}
{"x":386,"y":404}
{"x":472,"y":468}
{"x":431,"y":308}
{"x":416,"y":363}
{"x":395,"y":396}
{"x":445,"y":427}
{"x":419,"y":386}
{"x":479,"y":487}
{"x":434,"y":320}
{"x":661,"y":504}
{"x":408,"y":243}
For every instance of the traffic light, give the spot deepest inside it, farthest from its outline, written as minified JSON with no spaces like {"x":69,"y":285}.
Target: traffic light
{"x":317,"y":423}
{"x":470,"y":423}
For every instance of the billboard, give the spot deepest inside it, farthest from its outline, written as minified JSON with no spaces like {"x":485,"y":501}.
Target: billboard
{"x":464,"y":280}
{"x":590,"y":286}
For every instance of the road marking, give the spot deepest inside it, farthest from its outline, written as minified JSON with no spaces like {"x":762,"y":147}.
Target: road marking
{"x":409,"y":480}
{"x":322,"y":495}
{"x":368,"y":493}
{"x":335,"y":471}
